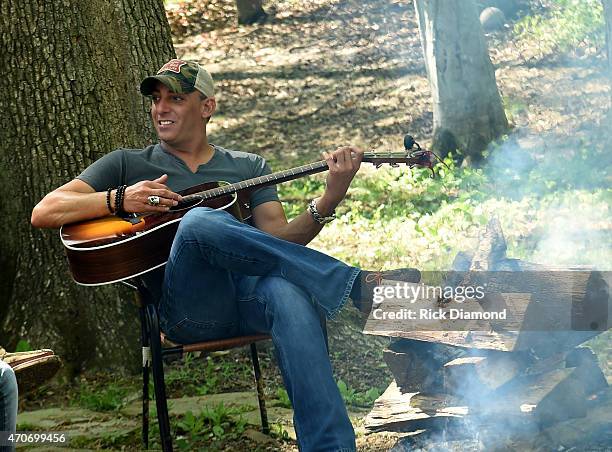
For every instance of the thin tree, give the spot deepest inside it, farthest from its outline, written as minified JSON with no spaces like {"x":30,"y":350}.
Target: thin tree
{"x":70,"y":95}
{"x":467,"y":107}
{"x":607,"y":6}
{"x":250,"y":11}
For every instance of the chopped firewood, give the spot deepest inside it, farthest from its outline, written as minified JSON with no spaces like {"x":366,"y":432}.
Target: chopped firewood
{"x":594,"y":429}
{"x":481,"y":374}
{"x":491,"y":248}
{"x":544,"y":312}
{"x":497,"y":386}
{"x":394,"y":411}
{"x":417,"y":365}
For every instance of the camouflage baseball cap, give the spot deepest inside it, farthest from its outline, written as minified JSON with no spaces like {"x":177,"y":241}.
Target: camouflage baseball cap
{"x":180,"y":77}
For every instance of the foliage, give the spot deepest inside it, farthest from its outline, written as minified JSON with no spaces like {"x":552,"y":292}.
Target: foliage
{"x":283,"y":398}
{"x":193,"y":376}
{"x":391,"y":192}
{"x":565,"y":25}
{"x":215,"y":422}
{"x":23,"y":346}
{"x":279,"y":431}
{"x":352,"y":397}
{"x":394,"y":217}
{"x":107,"y":398}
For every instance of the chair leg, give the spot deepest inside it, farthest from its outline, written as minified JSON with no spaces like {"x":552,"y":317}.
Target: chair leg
{"x":260,"y":393}
{"x":146,"y":353}
{"x":157,"y":365}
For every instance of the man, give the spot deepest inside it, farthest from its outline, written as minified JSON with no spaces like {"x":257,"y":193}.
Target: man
{"x":224,"y":277}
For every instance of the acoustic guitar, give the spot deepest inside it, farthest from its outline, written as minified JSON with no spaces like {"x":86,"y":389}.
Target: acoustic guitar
{"x":112,"y":248}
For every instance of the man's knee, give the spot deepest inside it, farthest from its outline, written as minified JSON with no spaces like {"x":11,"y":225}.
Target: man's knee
{"x":204,"y":220}
{"x":287,"y":301}
{"x":8,"y":381}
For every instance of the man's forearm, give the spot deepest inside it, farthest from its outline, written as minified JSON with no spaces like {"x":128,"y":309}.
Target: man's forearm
{"x":303,"y":228}
{"x":65,"y":207}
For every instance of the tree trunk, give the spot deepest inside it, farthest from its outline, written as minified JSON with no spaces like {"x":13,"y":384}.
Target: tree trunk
{"x":468,"y":112}
{"x":70,"y":95}
{"x":607,"y":5}
{"x":250,"y":11}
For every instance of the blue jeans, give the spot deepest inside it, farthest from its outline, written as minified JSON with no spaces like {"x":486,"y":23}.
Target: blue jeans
{"x":8,"y":401}
{"x":225,"y":278}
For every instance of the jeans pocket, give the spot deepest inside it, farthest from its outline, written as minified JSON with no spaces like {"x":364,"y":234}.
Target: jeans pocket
{"x":188,"y":331}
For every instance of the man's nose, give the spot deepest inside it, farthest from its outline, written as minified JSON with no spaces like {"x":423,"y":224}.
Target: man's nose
{"x":162,"y":105}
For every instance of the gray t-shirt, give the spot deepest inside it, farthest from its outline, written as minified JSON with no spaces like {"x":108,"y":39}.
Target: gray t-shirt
{"x":129,"y":166}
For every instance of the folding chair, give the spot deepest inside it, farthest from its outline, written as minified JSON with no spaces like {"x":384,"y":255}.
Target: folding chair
{"x":153,"y":354}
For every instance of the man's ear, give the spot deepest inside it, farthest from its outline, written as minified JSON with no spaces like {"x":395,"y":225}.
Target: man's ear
{"x":208,"y":107}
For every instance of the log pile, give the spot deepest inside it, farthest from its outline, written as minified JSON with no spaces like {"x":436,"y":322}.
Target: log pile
{"x":520,"y":377}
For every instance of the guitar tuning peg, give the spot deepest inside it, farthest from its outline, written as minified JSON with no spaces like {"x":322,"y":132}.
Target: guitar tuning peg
{"x":408,"y":142}
{"x":378,"y":165}
{"x":394,"y":165}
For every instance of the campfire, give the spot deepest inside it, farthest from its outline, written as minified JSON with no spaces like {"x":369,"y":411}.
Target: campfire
{"x":502,"y":368}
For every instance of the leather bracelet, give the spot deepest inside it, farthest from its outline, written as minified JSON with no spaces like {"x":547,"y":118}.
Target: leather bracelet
{"x":316,"y":216}
{"x":108,"y":198}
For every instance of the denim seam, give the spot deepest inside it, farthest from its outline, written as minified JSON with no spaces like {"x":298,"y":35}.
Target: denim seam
{"x":349,"y":285}
{"x":224,"y":253}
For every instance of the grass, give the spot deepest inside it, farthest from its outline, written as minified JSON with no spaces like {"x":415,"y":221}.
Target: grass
{"x":564,"y":26}
{"x":394,"y":216}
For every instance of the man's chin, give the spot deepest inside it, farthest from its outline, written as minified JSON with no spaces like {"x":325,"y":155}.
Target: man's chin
{"x":165,"y":137}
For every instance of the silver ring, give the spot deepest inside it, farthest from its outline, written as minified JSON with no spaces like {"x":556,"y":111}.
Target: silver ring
{"x":153,"y":200}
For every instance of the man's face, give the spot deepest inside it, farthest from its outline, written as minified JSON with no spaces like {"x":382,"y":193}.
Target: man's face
{"x":178,"y":118}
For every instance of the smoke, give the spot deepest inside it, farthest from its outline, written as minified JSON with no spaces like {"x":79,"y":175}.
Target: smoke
{"x":567,"y":184}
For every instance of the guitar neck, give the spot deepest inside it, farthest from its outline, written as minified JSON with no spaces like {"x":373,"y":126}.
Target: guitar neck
{"x":422,"y":159}
{"x":261,"y":181}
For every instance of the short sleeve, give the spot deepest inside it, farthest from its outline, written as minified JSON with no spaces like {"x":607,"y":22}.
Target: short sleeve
{"x":264,"y":194}
{"x":106,"y":172}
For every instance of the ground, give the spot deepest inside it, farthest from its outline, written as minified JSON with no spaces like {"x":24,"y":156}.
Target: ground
{"x":314,"y":76}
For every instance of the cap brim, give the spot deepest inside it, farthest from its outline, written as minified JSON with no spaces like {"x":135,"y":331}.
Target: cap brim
{"x":149,"y":84}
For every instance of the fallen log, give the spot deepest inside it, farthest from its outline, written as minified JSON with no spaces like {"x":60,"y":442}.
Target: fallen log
{"x":526,"y":402}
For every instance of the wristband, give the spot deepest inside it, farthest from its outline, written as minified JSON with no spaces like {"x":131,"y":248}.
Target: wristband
{"x":317,"y":217}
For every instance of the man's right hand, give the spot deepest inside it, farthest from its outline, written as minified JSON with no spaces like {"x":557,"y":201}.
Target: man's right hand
{"x":136,"y":198}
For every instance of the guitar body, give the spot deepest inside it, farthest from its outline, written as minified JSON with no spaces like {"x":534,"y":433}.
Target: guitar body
{"x":111,"y":249}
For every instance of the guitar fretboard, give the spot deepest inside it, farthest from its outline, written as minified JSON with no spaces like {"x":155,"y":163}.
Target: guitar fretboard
{"x":269,"y":179}
{"x":311,"y":168}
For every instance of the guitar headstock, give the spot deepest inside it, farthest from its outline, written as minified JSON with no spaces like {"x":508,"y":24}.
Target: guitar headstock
{"x":413,"y":156}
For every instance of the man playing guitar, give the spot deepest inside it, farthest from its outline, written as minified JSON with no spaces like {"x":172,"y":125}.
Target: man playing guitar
{"x":224,"y":277}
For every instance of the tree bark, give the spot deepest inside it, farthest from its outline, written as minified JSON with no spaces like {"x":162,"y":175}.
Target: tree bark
{"x":70,"y":95}
{"x":250,"y":11}
{"x":468,"y":112}
{"x":607,"y":5}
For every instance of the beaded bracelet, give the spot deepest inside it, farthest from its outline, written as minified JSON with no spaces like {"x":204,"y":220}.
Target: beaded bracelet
{"x":119,"y":195}
{"x":108,"y":198}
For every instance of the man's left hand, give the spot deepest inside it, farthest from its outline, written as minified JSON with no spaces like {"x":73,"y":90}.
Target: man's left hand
{"x":343,"y":164}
